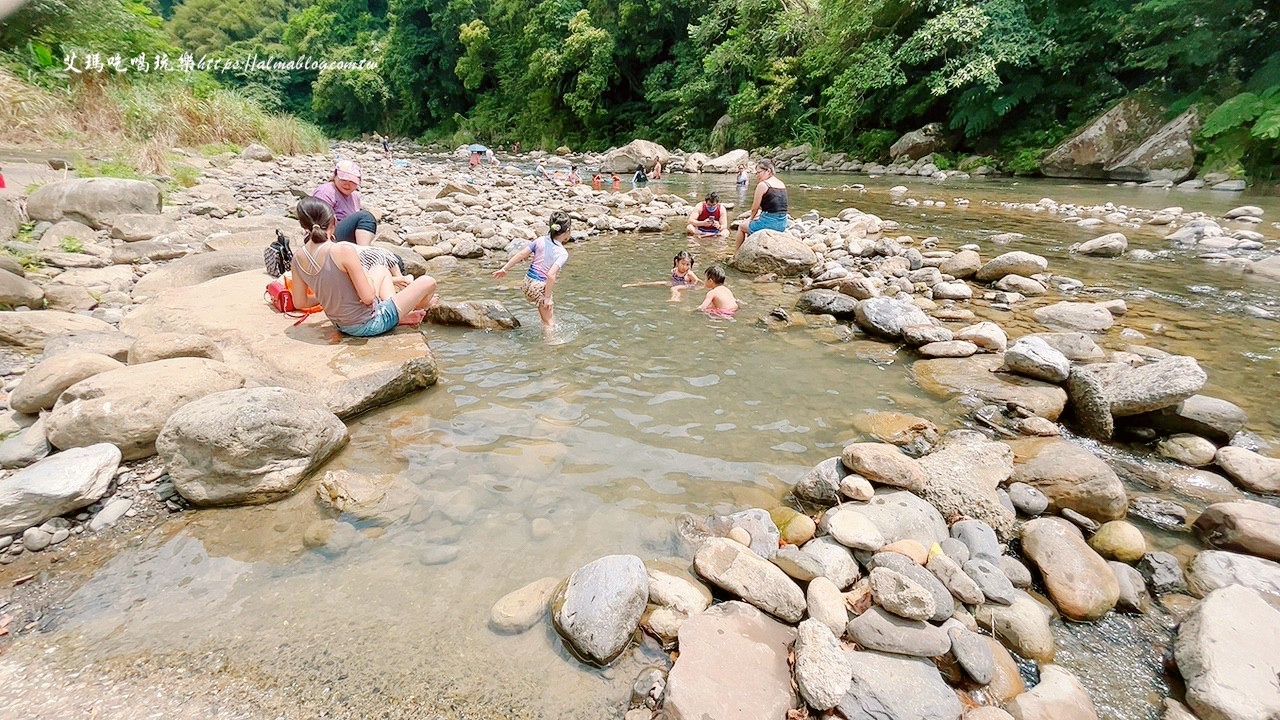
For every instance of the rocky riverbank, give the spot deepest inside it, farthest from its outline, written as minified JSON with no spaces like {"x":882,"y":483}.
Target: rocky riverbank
{"x":158,"y":376}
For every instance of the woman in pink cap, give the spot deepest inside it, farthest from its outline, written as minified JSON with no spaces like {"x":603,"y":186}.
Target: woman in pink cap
{"x":342,"y":193}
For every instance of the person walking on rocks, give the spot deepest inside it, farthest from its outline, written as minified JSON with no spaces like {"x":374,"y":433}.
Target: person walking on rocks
{"x":359,"y":303}
{"x":769,"y":208}
{"x":549,"y":256}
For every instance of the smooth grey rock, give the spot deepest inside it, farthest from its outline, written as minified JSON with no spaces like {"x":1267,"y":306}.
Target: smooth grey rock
{"x":878,"y":629}
{"x":736,"y":569}
{"x":822,"y":671}
{"x":27,"y":446}
{"x":990,"y":580}
{"x":1109,"y":245}
{"x":822,"y":483}
{"x":764,"y":534}
{"x":1016,"y":571}
{"x":797,"y":563}
{"x":886,"y":317}
{"x":1012,"y":263}
{"x":944,"y":605}
{"x":1033,"y":357}
{"x":838,"y":564}
{"x":979,"y":538}
{"x":34,"y":539}
{"x":1209,"y":417}
{"x":1027,"y":499}
{"x":110,"y":514}
{"x":600,"y":606}
{"x":1133,"y":588}
{"x":1023,"y":626}
{"x":953,"y":577}
{"x":956,"y":550}
{"x":826,"y":605}
{"x":973,"y":654}
{"x":1226,"y":651}
{"x":901,"y":515}
{"x":894,"y":686}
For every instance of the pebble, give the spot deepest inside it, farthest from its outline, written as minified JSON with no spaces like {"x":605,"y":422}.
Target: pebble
{"x":1017,"y":572}
{"x":6,"y":541}
{"x":541,"y":528}
{"x":1028,"y":500}
{"x":110,"y":514}
{"x":856,"y":487}
{"x":35,"y":539}
{"x":994,"y":585}
{"x":740,"y":536}
{"x":1081,"y":521}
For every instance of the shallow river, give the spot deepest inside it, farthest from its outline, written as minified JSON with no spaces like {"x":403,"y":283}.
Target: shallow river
{"x":643,"y":411}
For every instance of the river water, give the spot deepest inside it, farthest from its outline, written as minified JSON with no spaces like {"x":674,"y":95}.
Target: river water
{"x":532,"y":458}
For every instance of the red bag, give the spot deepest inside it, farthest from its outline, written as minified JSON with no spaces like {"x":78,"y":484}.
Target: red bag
{"x":280,"y":298}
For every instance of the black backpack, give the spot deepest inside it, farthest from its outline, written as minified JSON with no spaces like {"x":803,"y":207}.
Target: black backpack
{"x":278,"y":257}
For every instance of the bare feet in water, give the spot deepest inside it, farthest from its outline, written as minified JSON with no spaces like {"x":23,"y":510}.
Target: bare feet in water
{"x":413,"y":318}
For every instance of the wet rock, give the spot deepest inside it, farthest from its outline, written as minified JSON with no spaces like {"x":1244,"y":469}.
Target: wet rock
{"x":1085,"y":317}
{"x":1133,"y":588}
{"x":1078,"y":580}
{"x":480,"y":314}
{"x":1163,"y":573}
{"x":600,"y":606}
{"x":915,"y":435}
{"x":962,"y":475}
{"x":877,"y":629}
{"x":1208,"y":417}
{"x":732,"y":664}
{"x":822,"y":670}
{"x":379,"y":501}
{"x":96,"y":202}
{"x":1187,"y":449}
{"x":1035,"y":358}
{"x":886,"y":317}
{"x":885,"y":464}
{"x":901,"y":515}
{"x":1070,"y":476}
{"x":1058,"y":696}
{"x":1250,"y":470}
{"x":55,"y":486}
{"x":768,"y":251}
{"x":1109,"y":245}
{"x":247,"y":446}
{"x":1027,"y":499}
{"x":1119,"y":540}
{"x":1242,"y":526}
{"x":1022,"y":625}
{"x":827,"y":302}
{"x":894,"y":686}
{"x":975,"y":376}
{"x":1226,"y":652}
{"x":737,"y":570}
{"x":1012,"y":263}
{"x":1159,"y":384}
{"x":1076,"y":346}
{"x":523,"y":608}
{"x":973,"y":654}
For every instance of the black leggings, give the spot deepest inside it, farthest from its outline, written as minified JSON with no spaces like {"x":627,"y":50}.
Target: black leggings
{"x":347,"y":227}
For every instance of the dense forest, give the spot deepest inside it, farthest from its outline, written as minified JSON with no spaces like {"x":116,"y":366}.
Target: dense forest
{"x":1008,"y":77}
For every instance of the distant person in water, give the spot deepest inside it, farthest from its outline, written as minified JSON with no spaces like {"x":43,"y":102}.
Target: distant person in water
{"x":657,"y":170}
{"x":616,"y":181}
{"x":742,"y":176}
{"x":358,"y":302}
{"x":708,"y":217}
{"x":549,"y":256}
{"x":719,"y":300}
{"x":488,"y":153}
{"x":574,"y":177}
{"x":682,"y":276}
{"x":769,"y":208}
{"x":640,"y":177}
{"x":597,"y":181}
{"x":515,"y":148}
{"x":541,"y":171}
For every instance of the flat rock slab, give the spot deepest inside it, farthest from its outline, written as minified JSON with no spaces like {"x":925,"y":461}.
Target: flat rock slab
{"x":1243,"y":526}
{"x":1214,"y":569}
{"x":351,"y":375}
{"x":32,"y":330}
{"x":898,"y":687}
{"x":945,"y":377}
{"x":197,"y":269}
{"x":1228,"y":651}
{"x":732,"y":666}
{"x":56,"y":485}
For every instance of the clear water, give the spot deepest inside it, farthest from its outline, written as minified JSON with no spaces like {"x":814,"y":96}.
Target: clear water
{"x":642,"y":410}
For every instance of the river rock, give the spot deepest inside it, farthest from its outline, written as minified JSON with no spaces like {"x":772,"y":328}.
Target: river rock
{"x":953,"y":577}
{"x":27,"y":446}
{"x":1159,"y":384}
{"x":1226,"y":651}
{"x":1209,"y":417}
{"x":918,"y":143}
{"x":856,"y":487}
{"x":1017,"y":262}
{"x":826,"y":605}
{"x":1162,"y":572}
{"x":1250,"y":470}
{"x":900,"y":595}
{"x":1058,"y":696}
{"x":1245,"y":526}
{"x":822,"y":483}
{"x":1035,"y":358}
{"x":247,"y":446}
{"x":962,"y":475}
{"x":822,"y":670}
{"x":677,"y":593}
{"x":1104,"y":140}
{"x":886,"y":317}
{"x":193,"y":270}
{"x":901,"y":515}
{"x":986,"y":335}
{"x":962,"y":265}
{"x":599,"y":607}
{"x":972,"y":652}
{"x":1187,"y":449}
{"x":1213,"y":569}
{"x":350,"y":376}
{"x":16,"y":291}
{"x":378,"y":500}
{"x":481,"y":314}
{"x":55,"y":486}
{"x":129,"y":406}
{"x":737,"y":570}
{"x":1022,"y":625}
{"x":1109,"y":245}
{"x":990,"y":579}
{"x":853,"y":530}
{"x":141,"y":227}
{"x":769,"y":251}
{"x":976,"y":376}
{"x":31,"y":330}
{"x":112,"y":343}
{"x":1027,"y":499}
{"x":1133,"y":588}
{"x":838,"y":564}
{"x":921,"y":335}
{"x":914,"y":435}
{"x":1070,"y":476}
{"x":162,"y":346}
{"x":943,"y":604}
{"x":43,"y":383}
{"x":1085,"y":317}
{"x":1119,"y":540}
{"x":728,"y":162}
{"x":1167,"y":155}
{"x":898,"y":687}
{"x":637,"y":152}
{"x":949,"y":349}
{"x":885,"y":464}
{"x":1078,"y":580}
{"x":1021,"y":285}
{"x":732,"y":664}
{"x":96,"y":201}
{"x":827,"y":302}
{"x":877,"y":629}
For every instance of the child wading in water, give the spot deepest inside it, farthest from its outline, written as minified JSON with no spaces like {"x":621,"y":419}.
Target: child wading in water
{"x":720,"y":300}
{"x":549,"y":256}
{"x":682,"y":276}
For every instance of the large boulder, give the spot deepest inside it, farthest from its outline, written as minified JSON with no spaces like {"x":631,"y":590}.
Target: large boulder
{"x":55,"y":486}
{"x":898,"y":687}
{"x":482,"y":314}
{"x":1228,"y":652}
{"x":770,"y":251}
{"x":1167,"y":154}
{"x":732,"y":664}
{"x":1155,"y":385}
{"x":247,"y":446}
{"x":1079,"y":581}
{"x":16,"y":290}
{"x":351,"y":375}
{"x":886,"y":317}
{"x":728,"y":162}
{"x":599,"y":607}
{"x":1058,"y":696}
{"x":1104,"y":140}
{"x":197,"y":269}
{"x":962,"y":475}
{"x":40,"y":387}
{"x":734,"y":568}
{"x":918,"y":143}
{"x":31,"y":330}
{"x":96,"y":202}
{"x":1213,"y":569}
{"x":1244,"y":526}
{"x":1209,"y":417}
{"x":1109,"y":245}
{"x":979,"y":376}
{"x":128,"y":407}
{"x":902,"y":515}
{"x":1070,"y":476}
{"x":637,"y":152}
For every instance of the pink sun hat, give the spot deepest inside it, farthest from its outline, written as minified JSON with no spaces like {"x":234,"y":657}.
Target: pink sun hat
{"x":347,"y":170}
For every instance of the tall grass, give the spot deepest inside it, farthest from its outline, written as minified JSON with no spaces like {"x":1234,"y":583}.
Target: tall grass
{"x":146,"y":120}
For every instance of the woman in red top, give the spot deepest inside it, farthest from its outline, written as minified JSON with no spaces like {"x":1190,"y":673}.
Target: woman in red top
{"x":708,"y":218}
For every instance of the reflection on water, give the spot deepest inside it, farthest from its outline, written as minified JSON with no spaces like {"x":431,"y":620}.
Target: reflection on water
{"x":533,"y":456}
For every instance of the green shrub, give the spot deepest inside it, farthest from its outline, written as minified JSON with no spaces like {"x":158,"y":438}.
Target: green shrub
{"x":185,"y":175}
{"x":873,"y":145}
{"x":1025,"y":161}
{"x":71,"y":244}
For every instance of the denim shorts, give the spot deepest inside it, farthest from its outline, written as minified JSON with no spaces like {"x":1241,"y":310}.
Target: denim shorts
{"x":385,"y":317}
{"x":769,"y":221}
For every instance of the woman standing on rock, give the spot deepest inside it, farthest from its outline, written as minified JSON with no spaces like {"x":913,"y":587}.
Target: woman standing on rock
{"x":769,"y":209}
{"x":359,"y":303}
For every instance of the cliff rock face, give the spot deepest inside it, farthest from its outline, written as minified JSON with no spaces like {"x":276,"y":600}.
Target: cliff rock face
{"x":1168,"y":154}
{"x":1104,"y":140}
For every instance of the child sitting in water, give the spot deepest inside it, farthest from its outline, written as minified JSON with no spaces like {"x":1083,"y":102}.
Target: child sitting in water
{"x":682,"y":276}
{"x":720,"y":300}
